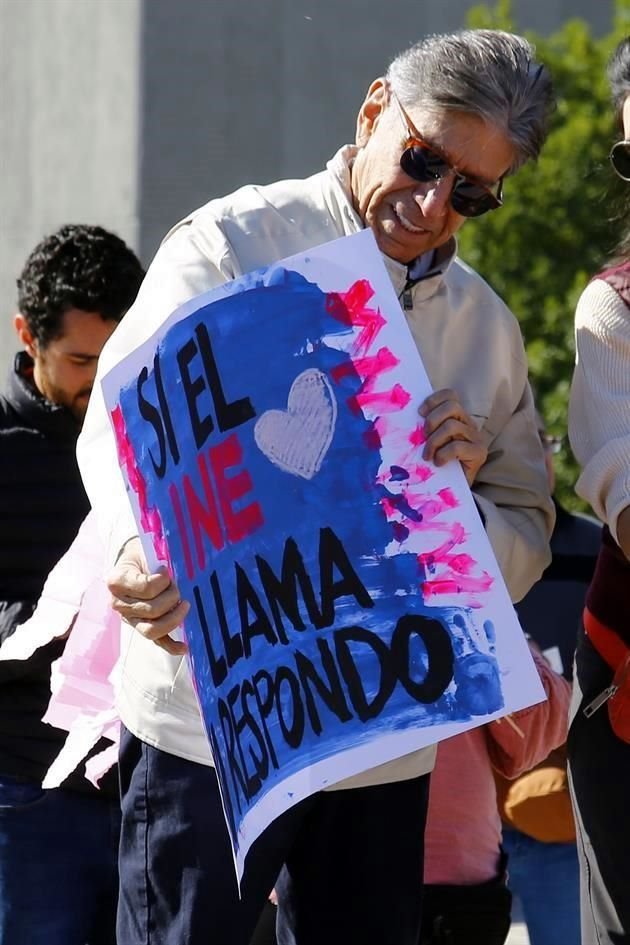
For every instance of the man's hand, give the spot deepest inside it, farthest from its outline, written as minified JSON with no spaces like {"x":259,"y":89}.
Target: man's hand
{"x":451,"y":434}
{"x":149,"y":602}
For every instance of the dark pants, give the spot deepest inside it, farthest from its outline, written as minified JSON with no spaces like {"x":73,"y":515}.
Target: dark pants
{"x":600,"y":778}
{"x":352,"y":861}
{"x":58,"y":870}
{"x":466,"y":915}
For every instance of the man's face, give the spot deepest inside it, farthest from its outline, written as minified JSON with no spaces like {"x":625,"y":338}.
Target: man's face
{"x":409,"y":218}
{"x":65,"y":368}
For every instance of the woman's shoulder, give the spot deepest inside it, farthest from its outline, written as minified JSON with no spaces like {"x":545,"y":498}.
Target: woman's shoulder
{"x":618,"y":278}
{"x":604,"y":305}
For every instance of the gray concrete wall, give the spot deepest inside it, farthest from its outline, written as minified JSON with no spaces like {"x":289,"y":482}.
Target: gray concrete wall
{"x":69,"y":129}
{"x":129,"y":113}
{"x":251,"y":91}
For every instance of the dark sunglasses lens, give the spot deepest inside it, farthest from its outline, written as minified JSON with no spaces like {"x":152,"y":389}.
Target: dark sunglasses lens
{"x":620,"y":159}
{"x":470,"y":200}
{"x":422,"y":164}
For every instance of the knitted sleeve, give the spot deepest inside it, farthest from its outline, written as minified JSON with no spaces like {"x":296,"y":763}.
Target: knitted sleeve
{"x":516,"y":746}
{"x":599,"y":411}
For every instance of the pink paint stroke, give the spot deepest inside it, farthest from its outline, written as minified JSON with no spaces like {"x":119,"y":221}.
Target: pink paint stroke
{"x":452,"y":583}
{"x":350,"y":308}
{"x":449,"y":498}
{"x":456,"y":576}
{"x":405,"y":445}
{"x":149,"y":517}
{"x":427,"y":508}
{"x":417,"y":436}
{"x":369,"y":368}
{"x":442,"y":554}
{"x":389,"y":401}
{"x":418,"y":474}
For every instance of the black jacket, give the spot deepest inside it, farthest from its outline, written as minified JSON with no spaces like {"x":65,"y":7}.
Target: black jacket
{"x":552,"y":611}
{"x":42,"y":504}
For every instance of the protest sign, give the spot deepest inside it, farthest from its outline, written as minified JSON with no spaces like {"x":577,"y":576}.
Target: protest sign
{"x":346,"y":605}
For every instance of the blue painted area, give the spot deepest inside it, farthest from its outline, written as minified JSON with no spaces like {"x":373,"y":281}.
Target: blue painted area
{"x":398,"y":474}
{"x":265,"y":334}
{"x":400,"y":503}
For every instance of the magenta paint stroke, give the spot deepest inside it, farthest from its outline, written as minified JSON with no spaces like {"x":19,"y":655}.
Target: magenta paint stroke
{"x":351,"y":309}
{"x":421,"y":510}
{"x":406,"y":446}
{"x":389,"y":401}
{"x":370,"y":368}
{"x":443,"y":553}
{"x":149,"y":517}
{"x":445,"y":570}
{"x":451,"y":583}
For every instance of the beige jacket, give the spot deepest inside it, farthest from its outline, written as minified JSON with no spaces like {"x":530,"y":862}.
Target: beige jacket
{"x":468,"y":340}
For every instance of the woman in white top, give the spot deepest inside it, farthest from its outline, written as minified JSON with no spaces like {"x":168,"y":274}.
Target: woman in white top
{"x":599,"y":428}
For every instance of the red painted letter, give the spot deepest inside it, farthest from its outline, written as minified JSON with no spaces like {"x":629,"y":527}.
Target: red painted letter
{"x":244,"y":521}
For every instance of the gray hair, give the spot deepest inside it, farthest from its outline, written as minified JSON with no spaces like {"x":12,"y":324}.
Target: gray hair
{"x":488,"y":73}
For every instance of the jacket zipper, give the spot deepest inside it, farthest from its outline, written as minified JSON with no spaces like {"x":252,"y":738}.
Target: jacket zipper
{"x":406,"y":295}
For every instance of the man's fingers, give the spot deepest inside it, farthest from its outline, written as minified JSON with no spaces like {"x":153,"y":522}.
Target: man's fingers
{"x":437,"y":398}
{"x":450,"y":431}
{"x":140,"y":609}
{"x":150,"y":603}
{"x":132,"y":554}
{"x":130,"y":578}
{"x":161,"y":626}
{"x":449,"y":410}
{"x":458,"y":449}
{"x":173,"y":647}
{"x":128,"y":581}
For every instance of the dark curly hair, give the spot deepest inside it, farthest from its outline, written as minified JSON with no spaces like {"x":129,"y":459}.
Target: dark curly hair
{"x":79,"y":266}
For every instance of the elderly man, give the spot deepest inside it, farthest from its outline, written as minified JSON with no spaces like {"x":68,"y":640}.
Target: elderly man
{"x":435,"y":139}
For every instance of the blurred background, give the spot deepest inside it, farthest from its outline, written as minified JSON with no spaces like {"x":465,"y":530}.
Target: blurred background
{"x":130,"y":113}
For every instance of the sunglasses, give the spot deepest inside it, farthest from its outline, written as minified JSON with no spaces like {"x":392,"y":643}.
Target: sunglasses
{"x":620,"y":159}
{"x":469,"y":197}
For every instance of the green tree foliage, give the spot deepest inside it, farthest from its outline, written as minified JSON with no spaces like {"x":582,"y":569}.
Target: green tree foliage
{"x":562,"y":216}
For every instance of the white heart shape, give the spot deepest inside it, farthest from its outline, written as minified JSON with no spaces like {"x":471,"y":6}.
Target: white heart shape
{"x":297,"y":439}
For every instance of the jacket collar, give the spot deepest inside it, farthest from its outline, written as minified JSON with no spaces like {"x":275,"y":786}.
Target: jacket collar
{"x":338,"y":196}
{"x":32,"y":409}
